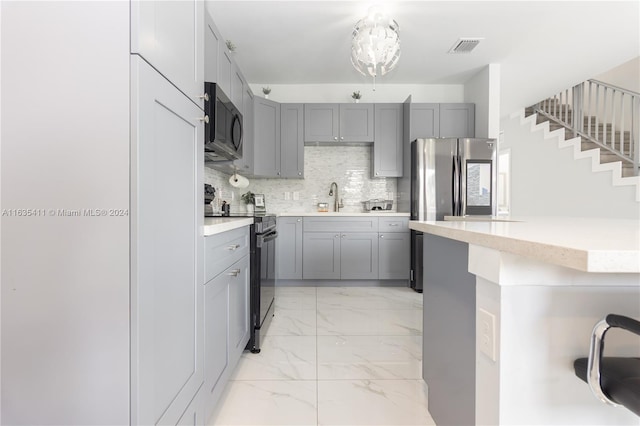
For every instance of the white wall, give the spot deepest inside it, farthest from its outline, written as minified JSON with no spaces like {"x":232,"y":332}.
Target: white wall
{"x":626,"y":76}
{"x":483,"y":90}
{"x":342,"y":92}
{"x":548,"y":181}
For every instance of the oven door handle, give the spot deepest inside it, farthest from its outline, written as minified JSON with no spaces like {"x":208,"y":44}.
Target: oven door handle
{"x":265,"y":238}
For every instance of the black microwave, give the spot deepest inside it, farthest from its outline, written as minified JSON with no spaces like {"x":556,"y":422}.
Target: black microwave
{"x":223,"y":131}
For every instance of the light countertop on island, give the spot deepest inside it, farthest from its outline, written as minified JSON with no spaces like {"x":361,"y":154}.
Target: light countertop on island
{"x":584,"y":244}
{"x":216,"y":225}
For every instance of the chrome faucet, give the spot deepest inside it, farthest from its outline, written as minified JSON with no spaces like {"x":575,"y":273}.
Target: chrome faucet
{"x":336,"y":204}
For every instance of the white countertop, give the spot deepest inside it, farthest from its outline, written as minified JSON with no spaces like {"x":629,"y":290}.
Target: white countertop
{"x":585,"y":244}
{"x":380,"y":213}
{"x":216,"y":225}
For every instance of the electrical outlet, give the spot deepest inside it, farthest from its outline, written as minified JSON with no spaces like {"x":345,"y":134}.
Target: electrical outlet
{"x":287,"y":195}
{"x":486,"y":330}
{"x":296,"y":195}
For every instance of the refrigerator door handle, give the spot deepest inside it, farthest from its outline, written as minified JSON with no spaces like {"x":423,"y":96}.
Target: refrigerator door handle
{"x":454,"y":187}
{"x":459,"y":180}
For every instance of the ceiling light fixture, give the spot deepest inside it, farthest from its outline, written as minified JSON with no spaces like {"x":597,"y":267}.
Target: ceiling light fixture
{"x":375,"y":48}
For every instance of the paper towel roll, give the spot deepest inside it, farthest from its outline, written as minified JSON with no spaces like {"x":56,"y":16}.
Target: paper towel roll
{"x":238,"y":181}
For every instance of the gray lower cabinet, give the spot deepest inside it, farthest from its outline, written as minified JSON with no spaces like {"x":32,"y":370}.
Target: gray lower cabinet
{"x":289,"y":247}
{"x":226,"y":310}
{"x":321,"y":255}
{"x":394,"y":248}
{"x":358,"y":255}
{"x":337,"y":123}
{"x":387,"y":146}
{"x":340,"y":248}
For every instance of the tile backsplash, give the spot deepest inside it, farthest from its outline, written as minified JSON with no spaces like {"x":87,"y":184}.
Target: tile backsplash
{"x":348,"y":166}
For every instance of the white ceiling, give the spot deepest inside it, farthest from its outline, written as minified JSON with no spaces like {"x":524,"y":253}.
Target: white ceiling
{"x":542,"y":46}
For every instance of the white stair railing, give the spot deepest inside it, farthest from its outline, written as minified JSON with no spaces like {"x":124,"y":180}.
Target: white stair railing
{"x":604,"y":114}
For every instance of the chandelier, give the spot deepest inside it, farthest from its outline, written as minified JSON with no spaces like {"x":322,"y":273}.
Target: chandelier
{"x":375,"y":48}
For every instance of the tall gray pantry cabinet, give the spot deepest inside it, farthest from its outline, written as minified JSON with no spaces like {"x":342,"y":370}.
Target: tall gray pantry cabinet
{"x":102,"y":285}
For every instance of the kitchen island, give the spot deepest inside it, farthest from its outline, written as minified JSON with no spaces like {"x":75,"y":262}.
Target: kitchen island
{"x":509,"y":305}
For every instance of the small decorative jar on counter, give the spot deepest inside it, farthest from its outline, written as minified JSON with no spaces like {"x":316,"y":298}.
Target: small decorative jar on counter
{"x":323,"y":207}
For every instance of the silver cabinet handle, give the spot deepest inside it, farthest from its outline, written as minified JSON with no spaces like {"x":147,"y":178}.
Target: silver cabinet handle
{"x":233,"y":247}
{"x":205,"y":119}
{"x":381,"y":236}
{"x":341,"y":138}
{"x":337,"y":236}
{"x":299,"y":220}
{"x":393,"y":224}
{"x":343,"y":236}
{"x":335,"y":138}
{"x":205,"y":97}
{"x":299,"y":173}
{"x":234,"y":273}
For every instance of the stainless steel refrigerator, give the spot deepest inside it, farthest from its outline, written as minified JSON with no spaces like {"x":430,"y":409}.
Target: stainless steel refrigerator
{"x":449,"y":177}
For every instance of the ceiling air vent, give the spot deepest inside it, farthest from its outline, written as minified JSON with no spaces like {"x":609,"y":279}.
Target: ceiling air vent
{"x":464,"y":45}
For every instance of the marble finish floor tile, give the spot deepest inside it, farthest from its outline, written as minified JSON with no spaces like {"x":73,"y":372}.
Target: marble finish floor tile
{"x":368,"y":298}
{"x":369,"y":357}
{"x":358,"y":322}
{"x":373,"y":402}
{"x":293,"y":322}
{"x":280,"y":358}
{"x":267,"y":403}
{"x":295,"y":298}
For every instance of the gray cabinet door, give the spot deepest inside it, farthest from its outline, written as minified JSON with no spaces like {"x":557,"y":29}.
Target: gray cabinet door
{"x":387,"y":147}
{"x":216,"y":331}
{"x":245,"y":164}
{"x":238,"y":278}
{"x":170,"y":36}
{"x":393,"y":262}
{"x":356,"y":123}
{"x":292,"y":140}
{"x":321,"y":122}
{"x":212,"y":47}
{"x":237,"y":89}
{"x":424,"y":121}
{"x":167,"y":253}
{"x":321,"y":255}
{"x":289,"y":246}
{"x":266,"y":148}
{"x":225,"y":67}
{"x":457,"y":120}
{"x":358,"y":255}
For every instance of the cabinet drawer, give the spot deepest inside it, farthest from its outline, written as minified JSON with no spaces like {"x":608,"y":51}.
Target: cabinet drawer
{"x":393,"y":224}
{"x":223,"y":250}
{"x":341,"y":224}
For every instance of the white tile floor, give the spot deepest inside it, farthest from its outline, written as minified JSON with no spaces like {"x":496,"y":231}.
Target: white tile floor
{"x":333,"y":356}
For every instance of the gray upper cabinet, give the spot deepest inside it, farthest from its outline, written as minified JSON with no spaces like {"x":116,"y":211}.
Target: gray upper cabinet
{"x":245,"y":164}
{"x":237,"y":89}
{"x":387,"y":147}
{"x":169,"y":35}
{"x":212,"y":45}
{"x":356,"y":123}
{"x":321,"y":122}
{"x":289,"y":246}
{"x":266,"y":139}
{"x":457,"y":120}
{"x":425,"y":121}
{"x":292,"y":141}
{"x":338,"y":123}
{"x":225,"y":70}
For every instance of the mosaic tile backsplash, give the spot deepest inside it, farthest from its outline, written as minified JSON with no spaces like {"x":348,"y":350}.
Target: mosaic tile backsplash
{"x":348,"y":166}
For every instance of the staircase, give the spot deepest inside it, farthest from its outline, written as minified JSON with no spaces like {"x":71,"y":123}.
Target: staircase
{"x":603,"y":132}
{"x":605,"y":118}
